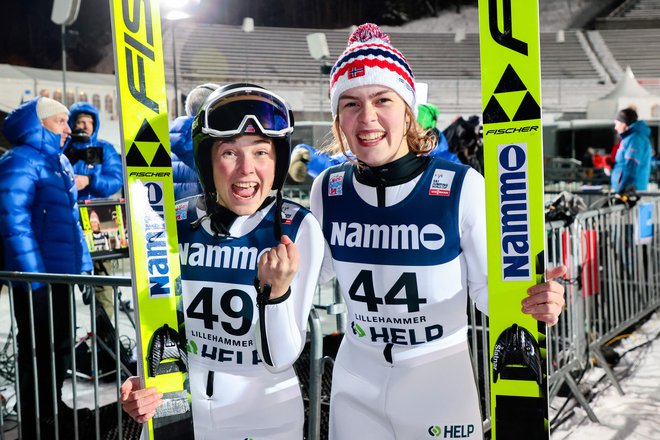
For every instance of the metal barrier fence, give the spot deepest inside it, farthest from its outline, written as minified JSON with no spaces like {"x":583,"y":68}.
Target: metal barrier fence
{"x":23,"y":282}
{"x":613,"y":281}
{"x":123,"y":424}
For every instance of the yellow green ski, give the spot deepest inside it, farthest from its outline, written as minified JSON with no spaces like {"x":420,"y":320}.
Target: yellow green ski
{"x":513,"y":156}
{"x":139,"y":68}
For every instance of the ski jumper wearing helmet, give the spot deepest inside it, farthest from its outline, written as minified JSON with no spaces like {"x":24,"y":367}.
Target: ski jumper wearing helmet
{"x":406,"y":241}
{"x":242,"y":345}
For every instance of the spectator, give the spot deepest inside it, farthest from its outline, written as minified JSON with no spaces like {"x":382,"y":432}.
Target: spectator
{"x":587,"y":161}
{"x":99,"y":175}
{"x":40,"y":232}
{"x":632,"y":165}
{"x":101,"y":238}
{"x":95,"y":162}
{"x":427,"y":116}
{"x":186,"y":183}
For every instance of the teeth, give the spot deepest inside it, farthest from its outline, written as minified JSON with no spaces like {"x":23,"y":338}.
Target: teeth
{"x":370,"y":136}
{"x":245,"y":184}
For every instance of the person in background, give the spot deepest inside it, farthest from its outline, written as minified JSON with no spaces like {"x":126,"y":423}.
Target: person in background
{"x":406,"y":239}
{"x":99,"y":175}
{"x":427,"y":116}
{"x":95,"y":162}
{"x":247,"y":303}
{"x":186,"y":182}
{"x":40,"y":232}
{"x":632,"y":164}
{"x":101,"y":238}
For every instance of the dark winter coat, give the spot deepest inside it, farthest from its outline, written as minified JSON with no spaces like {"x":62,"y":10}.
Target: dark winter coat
{"x":39,"y":218}
{"x":186,"y":181}
{"x":102,"y":165}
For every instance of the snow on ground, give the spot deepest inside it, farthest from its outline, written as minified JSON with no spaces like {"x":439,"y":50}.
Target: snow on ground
{"x":633,"y":416}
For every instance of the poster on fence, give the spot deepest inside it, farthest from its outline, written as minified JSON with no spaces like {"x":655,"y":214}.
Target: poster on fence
{"x":104,"y":225}
{"x":644,"y":233}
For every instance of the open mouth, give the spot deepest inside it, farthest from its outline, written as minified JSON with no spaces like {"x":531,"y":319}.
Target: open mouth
{"x":245,"y":190}
{"x":371,"y":137}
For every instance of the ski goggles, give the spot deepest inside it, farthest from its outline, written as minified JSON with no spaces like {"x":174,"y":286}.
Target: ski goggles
{"x":246,"y":110}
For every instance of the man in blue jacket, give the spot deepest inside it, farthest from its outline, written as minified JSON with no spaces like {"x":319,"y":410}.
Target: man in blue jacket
{"x":632,"y":165}
{"x":96,"y":163}
{"x":99,"y":175}
{"x":186,"y":182}
{"x":40,"y":232}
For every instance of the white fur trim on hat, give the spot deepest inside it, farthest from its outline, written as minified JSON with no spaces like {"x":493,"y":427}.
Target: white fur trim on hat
{"x":47,"y":107}
{"x":370,"y":59}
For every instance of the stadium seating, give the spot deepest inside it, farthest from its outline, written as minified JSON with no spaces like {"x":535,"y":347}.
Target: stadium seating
{"x":577,"y":66}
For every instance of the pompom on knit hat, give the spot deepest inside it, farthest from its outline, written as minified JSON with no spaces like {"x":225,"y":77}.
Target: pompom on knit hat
{"x":370,"y":59}
{"x":47,"y":107}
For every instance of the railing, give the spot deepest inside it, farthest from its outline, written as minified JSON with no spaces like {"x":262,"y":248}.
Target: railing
{"x":613,"y":281}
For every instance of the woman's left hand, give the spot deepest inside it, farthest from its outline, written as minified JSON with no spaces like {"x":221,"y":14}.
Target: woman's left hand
{"x":278,"y":267}
{"x":546,"y":300}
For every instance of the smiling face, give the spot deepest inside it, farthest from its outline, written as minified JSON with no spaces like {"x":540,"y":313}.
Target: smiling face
{"x":243,"y":172}
{"x":374,"y":121}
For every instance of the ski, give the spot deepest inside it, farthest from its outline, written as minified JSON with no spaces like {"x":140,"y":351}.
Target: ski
{"x":513,"y":155}
{"x":162,"y":360}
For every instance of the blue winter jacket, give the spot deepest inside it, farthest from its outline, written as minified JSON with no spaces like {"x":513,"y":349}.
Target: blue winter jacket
{"x":39,"y":215}
{"x":106,"y":176}
{"x":186,"y":181}
{"x":632,"y":164}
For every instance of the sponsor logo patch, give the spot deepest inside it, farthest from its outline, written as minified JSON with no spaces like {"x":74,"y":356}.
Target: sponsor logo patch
{"x":441,"y":183}
{"x":288,"y":212}
{"x":181,"y":211}
{"x":335,"y":184}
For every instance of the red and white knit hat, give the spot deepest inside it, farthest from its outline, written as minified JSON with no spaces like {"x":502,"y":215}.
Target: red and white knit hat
{"x":370,"y":59}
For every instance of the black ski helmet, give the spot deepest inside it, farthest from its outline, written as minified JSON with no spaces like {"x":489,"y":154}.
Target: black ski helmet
{"x":237,"y":109}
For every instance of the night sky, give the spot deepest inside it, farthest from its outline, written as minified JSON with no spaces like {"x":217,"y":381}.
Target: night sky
{"x":30,"y":38}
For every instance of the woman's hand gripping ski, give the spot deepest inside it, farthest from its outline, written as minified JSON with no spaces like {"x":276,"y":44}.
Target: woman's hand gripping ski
{"x":545,"y":301}
{"x":138,"y":402}
{"x":278,"y":267}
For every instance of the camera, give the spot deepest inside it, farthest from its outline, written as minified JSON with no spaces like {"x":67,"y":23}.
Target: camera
{"x":79,"y":135}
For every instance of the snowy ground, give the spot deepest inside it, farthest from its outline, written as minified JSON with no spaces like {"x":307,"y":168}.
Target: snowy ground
{"x":633,"y":416}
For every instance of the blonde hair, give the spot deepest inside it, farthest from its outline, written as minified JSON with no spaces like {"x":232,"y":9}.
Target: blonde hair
{"x":420,"y":141}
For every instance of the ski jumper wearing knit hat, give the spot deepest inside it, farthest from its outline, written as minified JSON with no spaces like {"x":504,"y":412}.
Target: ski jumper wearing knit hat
{"x":370,"y":59}
{"x":403,"y":369}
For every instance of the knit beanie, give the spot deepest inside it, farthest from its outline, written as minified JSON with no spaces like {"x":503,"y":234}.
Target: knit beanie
{"x":627,"y":116}
{"x":427,"y":115}
{"x":48,"y":107}
{"x":370,"y":59}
